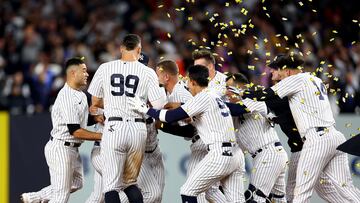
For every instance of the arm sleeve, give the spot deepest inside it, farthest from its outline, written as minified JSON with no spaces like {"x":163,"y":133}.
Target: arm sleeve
{"x":95,"y":88}
{"x":181,"y":131}
{"x":256,"y":106}
{"x":236,"y":109}
{"x":196,"y":105}
{"x":72,"y":128}
{"x":170,"y":115}
{"x":261,"y":95}
{"x":288,"y":86}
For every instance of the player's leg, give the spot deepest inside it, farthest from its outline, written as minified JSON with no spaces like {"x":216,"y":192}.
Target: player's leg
{"x":326,"y":189}
{"x":338,"y":173}
{"x":59,"y":159}
{"x":198,"y":152}
{"x":267,"y":167}
{"x":134,"y":160}
{"x":113,"y":152}
{"x":279,"y":190}
{"x":210,"y":170}
{"x":96,"y":196}
{"x":157,"y":164}
{"x":316,"y":153}
{"x":233,"y":185}
{"x":78,"y":175}
{"x":291,"y":179}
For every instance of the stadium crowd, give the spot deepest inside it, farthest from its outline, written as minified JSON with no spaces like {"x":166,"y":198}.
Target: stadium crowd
{"x":36,"y":37}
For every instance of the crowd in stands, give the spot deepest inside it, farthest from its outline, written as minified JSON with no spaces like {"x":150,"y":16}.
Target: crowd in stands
{"x":36,"y":37}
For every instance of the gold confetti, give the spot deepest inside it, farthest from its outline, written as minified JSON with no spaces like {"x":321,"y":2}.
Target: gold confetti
{"x":168,"y":15}
{"x":284,"y":19}
{"x":301,"y":3}
{"x":355,"y":21}
{"x":322,"y":181}
{"x":190,"y":18}
{"x":168,"y":35}
{"x":162,"y":125}
{"x":332,"y":39}
{"x":305,"y":173}
{"x":348,"y":125}
{"x":160,"y":6}
{"x":302,"y":101}
{"x":251,"y":67}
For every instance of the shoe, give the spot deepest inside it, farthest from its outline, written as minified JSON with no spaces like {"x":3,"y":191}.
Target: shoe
{"x":24,"y":197}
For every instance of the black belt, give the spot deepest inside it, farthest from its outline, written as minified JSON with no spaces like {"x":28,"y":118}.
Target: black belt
{"x":276,"y":144}
{"x":141,"y":120}
{"x":149,"y":120}
{"x":317,"y":129}
{"x":195,"y":138}
{"x":70,"y":144}
{"x":151,"y":151}
{"x":97,"y":143}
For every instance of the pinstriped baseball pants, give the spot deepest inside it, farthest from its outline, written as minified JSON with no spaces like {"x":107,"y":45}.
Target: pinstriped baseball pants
{"x":268,"y":173}
{"x":216,"y":167}
{"x":318,"y":155}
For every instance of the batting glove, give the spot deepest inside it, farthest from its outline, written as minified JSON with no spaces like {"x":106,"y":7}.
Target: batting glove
{"x":136,"y":104}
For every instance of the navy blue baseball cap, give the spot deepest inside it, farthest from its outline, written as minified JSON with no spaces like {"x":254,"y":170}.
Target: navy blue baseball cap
{"x":144,"y":59}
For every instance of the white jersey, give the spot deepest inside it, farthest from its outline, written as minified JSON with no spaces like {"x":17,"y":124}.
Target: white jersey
{"x":308,"y":101}
{"x":218,"y":84}
{"x":70,"y":107}
{"x":211,"y":117}
{"x":255,"y":130}
{"x":179,"y":94}
{"x":116,"y":80}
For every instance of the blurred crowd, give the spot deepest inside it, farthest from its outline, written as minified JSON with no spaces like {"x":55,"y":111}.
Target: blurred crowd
{"x":37,"y":36}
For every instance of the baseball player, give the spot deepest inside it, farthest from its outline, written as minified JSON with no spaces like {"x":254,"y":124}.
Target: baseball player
{"x":217,"y":84}
{"x":123,"y":145}
{"x":257,"y":135}
{"x":69,"y":117}
{"x":214,"y":124}
{"x":312,"y":114}
{"x":151,"y":178}
{"x":168,"y":74}
{"x":281,"y":109}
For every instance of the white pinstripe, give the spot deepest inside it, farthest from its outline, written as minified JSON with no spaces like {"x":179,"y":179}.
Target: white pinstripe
{"x":310,"y":107}
{"x":65,"y":166}
{"x":269,"y":166}
{"x":114,"y":81}
{"x":325,"y":189}
{"x":214,"y":124}
{"x":198,"y":149}
{"x":151,"y":177}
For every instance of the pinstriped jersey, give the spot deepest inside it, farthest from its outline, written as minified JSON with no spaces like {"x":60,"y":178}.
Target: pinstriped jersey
{"x":70,"y":107}
{"x":114,"y":81}
{"x":218,"y":84}
{"x":308,"y":101}
{"x":211,"y":117}
{"x":255,"y":130}
{"x":179,"y":93}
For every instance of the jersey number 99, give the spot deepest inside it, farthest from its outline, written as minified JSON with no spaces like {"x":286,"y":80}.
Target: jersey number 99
{"x":118,"y":81}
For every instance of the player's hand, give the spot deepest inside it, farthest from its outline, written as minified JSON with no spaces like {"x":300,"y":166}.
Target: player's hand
{"x":172,"y":105}
{"x":94,"y":110}
{"x":136,"y":104}
{"x":99,"y":119}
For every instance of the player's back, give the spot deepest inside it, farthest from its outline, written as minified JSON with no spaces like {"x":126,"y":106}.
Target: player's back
{"x":211,"y":116}
{"x":123,"y":79}
{"x":309,"y":104}
{"x":255,"y":131}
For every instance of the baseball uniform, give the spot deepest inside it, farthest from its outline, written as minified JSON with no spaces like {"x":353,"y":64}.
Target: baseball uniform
{"x":123,"y":143}
{"x":312,"y":114}
{"x":61,"y":151}
{"x":260,"y":139}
